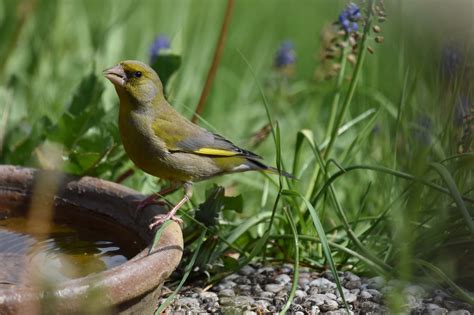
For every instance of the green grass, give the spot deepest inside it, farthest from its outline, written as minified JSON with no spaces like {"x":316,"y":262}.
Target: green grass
{"x":373,"y":195}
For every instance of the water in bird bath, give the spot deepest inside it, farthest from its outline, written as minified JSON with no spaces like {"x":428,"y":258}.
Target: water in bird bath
{"x":72,"y":246}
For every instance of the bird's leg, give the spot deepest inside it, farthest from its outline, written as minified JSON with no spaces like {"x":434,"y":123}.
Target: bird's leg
{"x":160,"y":219}
{"x":155,"y":197}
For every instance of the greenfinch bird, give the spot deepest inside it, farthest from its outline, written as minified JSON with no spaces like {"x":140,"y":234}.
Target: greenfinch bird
{"x":165,"y":144}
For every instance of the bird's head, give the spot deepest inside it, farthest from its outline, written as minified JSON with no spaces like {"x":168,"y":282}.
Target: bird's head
{"x":135,"y":80}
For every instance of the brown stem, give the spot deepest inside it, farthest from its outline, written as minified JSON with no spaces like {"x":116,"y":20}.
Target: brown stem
{"x":215,"y":62}
{"x":24,"y":10}
{"x":124,"y":175}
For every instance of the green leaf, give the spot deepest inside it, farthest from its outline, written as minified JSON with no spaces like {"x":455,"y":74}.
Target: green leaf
{"x":22,"y":144}
{"x":235,"y":203}
{"x":230,"y":263}
{"x":165,"y":65}
{"x":83,"y":113}
{"x":208,"y":212}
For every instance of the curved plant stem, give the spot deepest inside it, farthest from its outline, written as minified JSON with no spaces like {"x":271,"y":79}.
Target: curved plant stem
{"x":338,"y":89}
{"x":353,"y":84}
{"x":215,"y":61}
{"x":386,"y":170}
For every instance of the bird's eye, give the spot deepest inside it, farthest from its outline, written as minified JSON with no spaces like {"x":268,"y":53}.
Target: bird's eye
{"x":137,"y":74}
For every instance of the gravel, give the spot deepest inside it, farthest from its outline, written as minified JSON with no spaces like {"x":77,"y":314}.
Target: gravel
{"x":265,"y":289}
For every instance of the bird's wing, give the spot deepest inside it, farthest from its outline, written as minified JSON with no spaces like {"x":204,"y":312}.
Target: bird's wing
{"x":214,"y":145}
{"x":190,"y":138}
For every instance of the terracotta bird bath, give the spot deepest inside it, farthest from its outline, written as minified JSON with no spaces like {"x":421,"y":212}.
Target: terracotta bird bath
{"x":129,"y":288}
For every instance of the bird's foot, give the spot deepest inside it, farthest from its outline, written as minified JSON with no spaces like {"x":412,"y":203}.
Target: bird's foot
{"x":162,"y":218}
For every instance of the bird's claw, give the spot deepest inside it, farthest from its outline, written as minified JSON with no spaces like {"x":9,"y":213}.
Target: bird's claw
{"x":162,"y":218}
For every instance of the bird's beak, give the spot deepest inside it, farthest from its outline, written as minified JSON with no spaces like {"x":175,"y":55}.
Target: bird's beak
{"x":116,"y":75}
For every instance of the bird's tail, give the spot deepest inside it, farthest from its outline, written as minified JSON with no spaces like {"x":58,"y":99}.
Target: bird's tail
{"x":257,"y":165}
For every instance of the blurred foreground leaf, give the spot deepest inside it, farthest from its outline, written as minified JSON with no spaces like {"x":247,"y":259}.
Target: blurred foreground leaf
{"x":165,"y":66}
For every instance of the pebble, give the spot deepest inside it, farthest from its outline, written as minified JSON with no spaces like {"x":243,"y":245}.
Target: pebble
{"x":376,"y":295}
{"x":208,"y":296}
{"x":240,"y":301}
{"x":244,"y":287}
{"x":350,"y":298}
{"x":329,"y":305}
{"x":262,"y":305}
{"x":368,"y":307}
{"x":365,"y":295}
{"x":247,"y":270}
{"x":415,"y":290}
{"x":257,"y":288}
{"x":264,"y":290}
{"x":226,"y":285}
{"x":283,"y":279}
{"x":188,"y":302}
{"x":435,"y":309}
{"x":302,"y":281}
{"x":376,"y":282}
{"x":226,"y":292}
{"x":322,"y":283}
{"x":274,"y":288}
{"x":331,"y":296}
{"x":266,"y":294}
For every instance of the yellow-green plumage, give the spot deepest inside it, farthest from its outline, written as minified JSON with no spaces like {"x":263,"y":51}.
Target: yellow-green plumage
{"x":162,"y":142}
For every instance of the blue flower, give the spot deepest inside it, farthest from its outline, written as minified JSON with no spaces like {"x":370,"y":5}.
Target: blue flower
{"x":285,"y":55}
{"x":349,"y":18}
{"x":160,"y":42}
{"x":451,"y":62}
{"x":423,"y":130}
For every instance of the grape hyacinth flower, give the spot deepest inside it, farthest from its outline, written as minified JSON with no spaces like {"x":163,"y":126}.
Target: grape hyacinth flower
{"x":161,"y":42}
{"x":423,"y":129}
{"x":451,"y":62}
{"x":349,"y":17}
{"x":285,"y":55}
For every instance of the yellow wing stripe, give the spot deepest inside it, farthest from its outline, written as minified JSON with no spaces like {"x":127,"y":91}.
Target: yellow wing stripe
{"x":218,"y":152}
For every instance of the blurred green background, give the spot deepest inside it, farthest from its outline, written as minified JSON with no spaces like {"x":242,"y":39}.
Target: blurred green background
{"x":53,"y":98}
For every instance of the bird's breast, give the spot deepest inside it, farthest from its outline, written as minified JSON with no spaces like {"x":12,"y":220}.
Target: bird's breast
{"x":147,"y":151}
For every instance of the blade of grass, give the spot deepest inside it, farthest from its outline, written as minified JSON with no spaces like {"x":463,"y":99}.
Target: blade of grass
{"x":187,"y":271}
{"x":455,"y":194}
{"x":338,"y":91}
{"x":296,"y":266}
{"x":460,"y":292}
{"x":158,"y":234}
{"x":340,"y":211}
{"x":387,"y":171}
{"x":376,"y":268}
{"x":242,"y":228}
{"x":324,"y":242}
{"x":337,"y":205}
